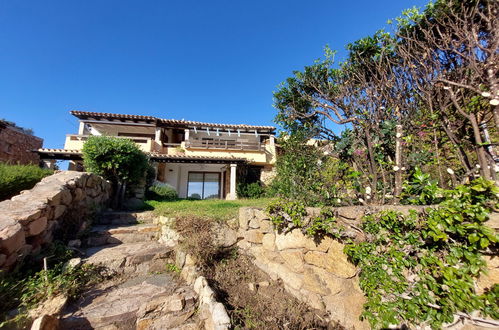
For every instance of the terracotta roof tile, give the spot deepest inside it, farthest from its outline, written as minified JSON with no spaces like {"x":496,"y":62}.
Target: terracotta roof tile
{"x":110,"y":115}
{"x":167,"y":121}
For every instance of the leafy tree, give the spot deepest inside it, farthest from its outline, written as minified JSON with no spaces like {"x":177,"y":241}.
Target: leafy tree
{"x":423,"y":95}
{"x":118,"y":160}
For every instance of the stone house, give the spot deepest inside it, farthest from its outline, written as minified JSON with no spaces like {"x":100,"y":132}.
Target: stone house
{"x":200,"y":160}
{"x":17,"y":145}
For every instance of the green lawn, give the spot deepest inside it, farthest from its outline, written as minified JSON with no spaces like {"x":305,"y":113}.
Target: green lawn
{"x":211,"y":208}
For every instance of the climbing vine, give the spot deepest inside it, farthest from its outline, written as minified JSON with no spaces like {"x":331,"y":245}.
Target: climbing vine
{"x":418,"y":268}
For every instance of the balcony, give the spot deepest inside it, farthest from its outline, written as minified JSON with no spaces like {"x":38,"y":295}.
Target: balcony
{"x":75,"y":142}
{"x":224,"y":145}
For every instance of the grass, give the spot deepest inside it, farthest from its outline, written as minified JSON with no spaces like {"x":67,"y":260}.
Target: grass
{"x":211,"y":208}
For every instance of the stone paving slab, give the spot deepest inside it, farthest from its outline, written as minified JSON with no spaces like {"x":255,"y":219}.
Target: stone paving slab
{"x":156,"y":301}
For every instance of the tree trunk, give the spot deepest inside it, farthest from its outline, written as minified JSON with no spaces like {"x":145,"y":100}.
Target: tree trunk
{"x":480,"y":150}
{"x":461,"y":154}
{"x":398,"y":162}
{"x":372,"y":162}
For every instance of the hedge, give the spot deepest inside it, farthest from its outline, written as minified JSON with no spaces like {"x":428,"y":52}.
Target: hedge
{"x":15,"y":178}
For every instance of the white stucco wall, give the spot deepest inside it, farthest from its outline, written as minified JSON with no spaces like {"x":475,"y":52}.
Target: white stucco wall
{"x":176,"y":175}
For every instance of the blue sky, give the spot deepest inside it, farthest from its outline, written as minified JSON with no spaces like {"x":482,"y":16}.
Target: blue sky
{"x":215,"y":61}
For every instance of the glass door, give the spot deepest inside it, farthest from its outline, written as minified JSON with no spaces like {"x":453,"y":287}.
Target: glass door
{"x":203,"y":185}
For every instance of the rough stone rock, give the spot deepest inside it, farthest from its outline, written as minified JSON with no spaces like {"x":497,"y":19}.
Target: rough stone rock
{"x":12,"y":236}
{"x":292,"y":240}
{"x":293,"y":259}
{"x":492,"y":277}
{"x":493,"y":221}
{"x":199,"y":284}
{"x":180,"y":258}
{"x":118,"y":308}
{"x":136,"y":255}
{"x":51,"y":307}
{"x":243,"y":245}
{"x":245,"y":214}
{"x":266,"y":255}
{"x":260,"y":214}
{"x":78,"y":195}
{"x":37,"y":226}
{"x":314,"y":283}
{"x":66,"y":197}
{"x":220,"y":318}
{"x":206,"y":294}
{"x":59,"y":211}
{"x":292,"y":279}
{"x":268,"y":242}
{"x":254,"y":223}
{"x":23,"y":212}
{"x":346,"y":308}
{"x":296,"y":240}
{"x":334,"y":262}
{"x":313,"y":299}
{"x":266,"y":226}
{"x":253,"y":236}
{"x":45,"y":322}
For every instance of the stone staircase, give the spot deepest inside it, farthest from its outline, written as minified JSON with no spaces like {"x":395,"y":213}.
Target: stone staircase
{"x":143,"y":294}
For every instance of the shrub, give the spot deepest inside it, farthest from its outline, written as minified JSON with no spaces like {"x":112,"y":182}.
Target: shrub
{"x":420,"y":189}
{"x":15,"y":178}
{"x":116,"y":159}
{"x":160,"y":191}
{"x":119,"y":160}
{"x":250,"y":190}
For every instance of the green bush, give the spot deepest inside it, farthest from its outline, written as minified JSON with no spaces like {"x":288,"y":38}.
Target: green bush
{"x":160,"y":191}
{"x":250,"y":190}
{"x":15,"y":178}
{"x":420,"y":189}
{"x":118,"y":160}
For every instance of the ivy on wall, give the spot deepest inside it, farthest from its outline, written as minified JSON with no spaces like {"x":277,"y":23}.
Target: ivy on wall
{"x":417,"y":269}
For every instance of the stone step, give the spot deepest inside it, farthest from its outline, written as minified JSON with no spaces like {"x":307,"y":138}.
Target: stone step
{"x":153,"y":301}
{"x":113,"y":234}
{"x":124,"y":217}
{"x":139,"y":257}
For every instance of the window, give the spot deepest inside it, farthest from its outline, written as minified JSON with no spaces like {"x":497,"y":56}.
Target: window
{"x":203,"y":185}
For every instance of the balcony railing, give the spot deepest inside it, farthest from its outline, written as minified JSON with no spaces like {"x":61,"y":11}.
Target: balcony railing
{"x":224,"y":145}
{"x":75,"y":142}
{"x":76,"y":137}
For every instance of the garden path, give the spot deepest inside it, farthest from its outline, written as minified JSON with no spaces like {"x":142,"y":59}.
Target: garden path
{"x":143,"y":294}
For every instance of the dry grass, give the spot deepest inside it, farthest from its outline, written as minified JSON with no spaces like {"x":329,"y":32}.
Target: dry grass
{"x":261,"y":306}
{"x":236,"y":282}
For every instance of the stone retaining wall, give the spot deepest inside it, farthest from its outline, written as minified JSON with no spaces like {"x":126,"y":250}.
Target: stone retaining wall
{"x":317,"y":273}
{"x":58,"y":206}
